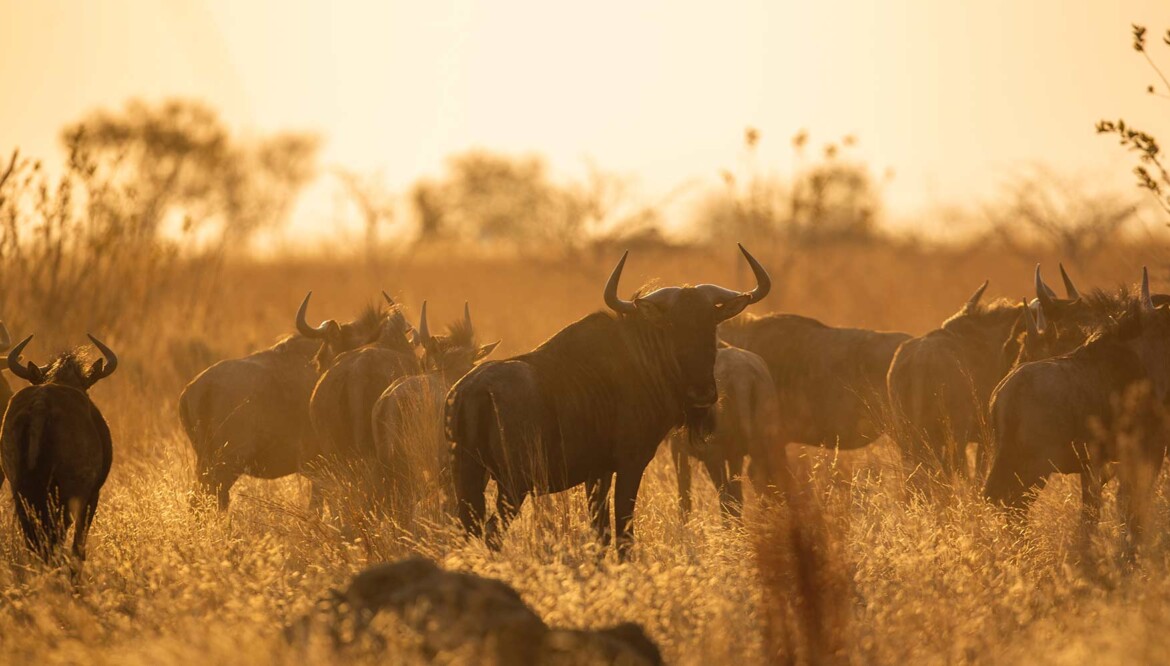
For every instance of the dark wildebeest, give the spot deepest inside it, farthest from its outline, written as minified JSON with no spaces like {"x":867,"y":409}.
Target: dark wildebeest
{"x":830,"y":382}
{"x":1075,"y":413}
{"x":55,"y":447}
{"x":593,"y":401}
{"x":475,"y":617}
{"x":407,"y":420}
{"x":350,"y":384}
{"x":743,"y":423}
{"x":251,"y":415}
{"x":939,"y":383}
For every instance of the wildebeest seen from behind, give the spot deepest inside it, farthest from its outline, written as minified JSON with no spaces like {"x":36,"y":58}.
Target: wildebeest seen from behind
{"x":55,"y":447}
{"x":407,"y":420}
{"x":939,"y":383}
{"x":743,"y":423}
{"x":829,"y":381}
{"x":350,"y":383}
{"x":593,"y":401}
{"x":250,"y":415}
{"x":1075,"y":413}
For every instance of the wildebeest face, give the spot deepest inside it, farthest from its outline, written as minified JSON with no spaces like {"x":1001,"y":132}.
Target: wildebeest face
{"x":687,"y":317}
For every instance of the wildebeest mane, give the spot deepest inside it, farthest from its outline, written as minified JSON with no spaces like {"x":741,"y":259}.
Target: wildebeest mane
{"x":69,"y":368}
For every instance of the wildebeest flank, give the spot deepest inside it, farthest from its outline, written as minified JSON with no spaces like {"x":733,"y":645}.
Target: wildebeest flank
{"x":593,"y":401}
{"x":55,"y":447}
{"x":829,"y":381}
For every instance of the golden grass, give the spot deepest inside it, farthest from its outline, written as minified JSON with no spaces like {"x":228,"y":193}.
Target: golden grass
{"x":903,"y":580}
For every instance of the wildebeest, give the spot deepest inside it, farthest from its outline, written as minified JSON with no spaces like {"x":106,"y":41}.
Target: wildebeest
{"x":407,"y":420}
{"x":939,"y":383}
{"x":829,"y":381}
{"x":349,"y":385}
{"x":1073,"y":414}
{"x":743,"y":423}
{"x":250,"y":415}
{"x":593,"y":401}
{"x":55,"y":447}
{"x":479,"y":618}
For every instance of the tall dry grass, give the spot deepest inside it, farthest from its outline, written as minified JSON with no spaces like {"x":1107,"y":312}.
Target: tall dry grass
{"x":886,"y":578}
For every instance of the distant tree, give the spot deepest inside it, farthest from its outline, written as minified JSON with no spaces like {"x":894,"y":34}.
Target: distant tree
{"x":1040,"y":207}
{"x":499,"y":199}
{"x":178,"y":158}
{"x":832,"y":198}
{"x":374,"y":203}
{"x":1151,"y":169}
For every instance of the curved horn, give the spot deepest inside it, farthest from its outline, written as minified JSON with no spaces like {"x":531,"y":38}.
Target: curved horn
{"x":5,"y":338}
{"x":389,"y":301}
{"x":111,"y":360}
{"x":974,"y":300}
{"x":14,"y":365}
{"x":1043,"y":293}
{"x":1070,"y":289}
{"x":467,"y":319}
{"x":763,"y":281}
{"x":612,"y":299}
{"x":1030,"y":324}
{"x":1147,"y":301}
{"x":423,"y":332}
{"x":303,"y":326}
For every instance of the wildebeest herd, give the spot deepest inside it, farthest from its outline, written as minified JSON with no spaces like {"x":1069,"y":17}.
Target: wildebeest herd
{"x":1077,"y":384}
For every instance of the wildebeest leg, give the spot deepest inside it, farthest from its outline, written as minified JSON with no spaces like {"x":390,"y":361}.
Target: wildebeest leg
{"x":84,"y":520}
{"x":597,"y":494}
{"x":508,"y":503}
{"x":1135,"y":493}
{"x":725,"y":475}
{"x":625,"y":497}
{"x":682,"y":466}
{"x":470,"y":483}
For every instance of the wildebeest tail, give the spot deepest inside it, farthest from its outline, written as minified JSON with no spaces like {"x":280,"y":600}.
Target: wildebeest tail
{"x":38,"y":414}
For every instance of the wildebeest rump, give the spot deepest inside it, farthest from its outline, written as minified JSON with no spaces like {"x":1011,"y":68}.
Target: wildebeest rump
{"x":407,"y":419}
{"x":472,"y":616}
{"x":744,"y":423}
{"x":250,"y":415}
{"x":594,"y":400}
{"x":829,"y":381}
{"x":55,"y":447}
{"x":1104,"y":402}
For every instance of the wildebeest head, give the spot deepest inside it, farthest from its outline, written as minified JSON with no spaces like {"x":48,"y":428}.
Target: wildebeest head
{"x":686,"y":317}
{"x":455,"y":352}
{"x":373,"y":325}
{"x":68,"y":368}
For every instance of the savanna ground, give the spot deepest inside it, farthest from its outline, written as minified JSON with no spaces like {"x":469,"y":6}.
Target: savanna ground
{"x":889,"y":578}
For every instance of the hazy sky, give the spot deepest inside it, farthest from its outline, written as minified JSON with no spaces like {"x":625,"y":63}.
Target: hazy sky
{"x":952,"y":96}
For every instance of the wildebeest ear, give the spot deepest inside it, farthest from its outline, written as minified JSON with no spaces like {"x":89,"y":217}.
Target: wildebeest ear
{"x":653,"y":312}
{"x":485,"y":350}
{"x":35,"y":374}
{"x":95,"y":372}
{"x":729,"y":308}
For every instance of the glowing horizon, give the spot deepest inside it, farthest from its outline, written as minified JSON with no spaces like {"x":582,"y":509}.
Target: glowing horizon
{"x":951,"y":99}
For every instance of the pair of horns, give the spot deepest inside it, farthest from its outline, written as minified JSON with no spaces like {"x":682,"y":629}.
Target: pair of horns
{"x":716,"y":293}
{"x":34,"y":374}
{"x":1045,"y":293}
{"x":1036,"y":326}
{"x":322,"y":329}
{"x":424,"y":331}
